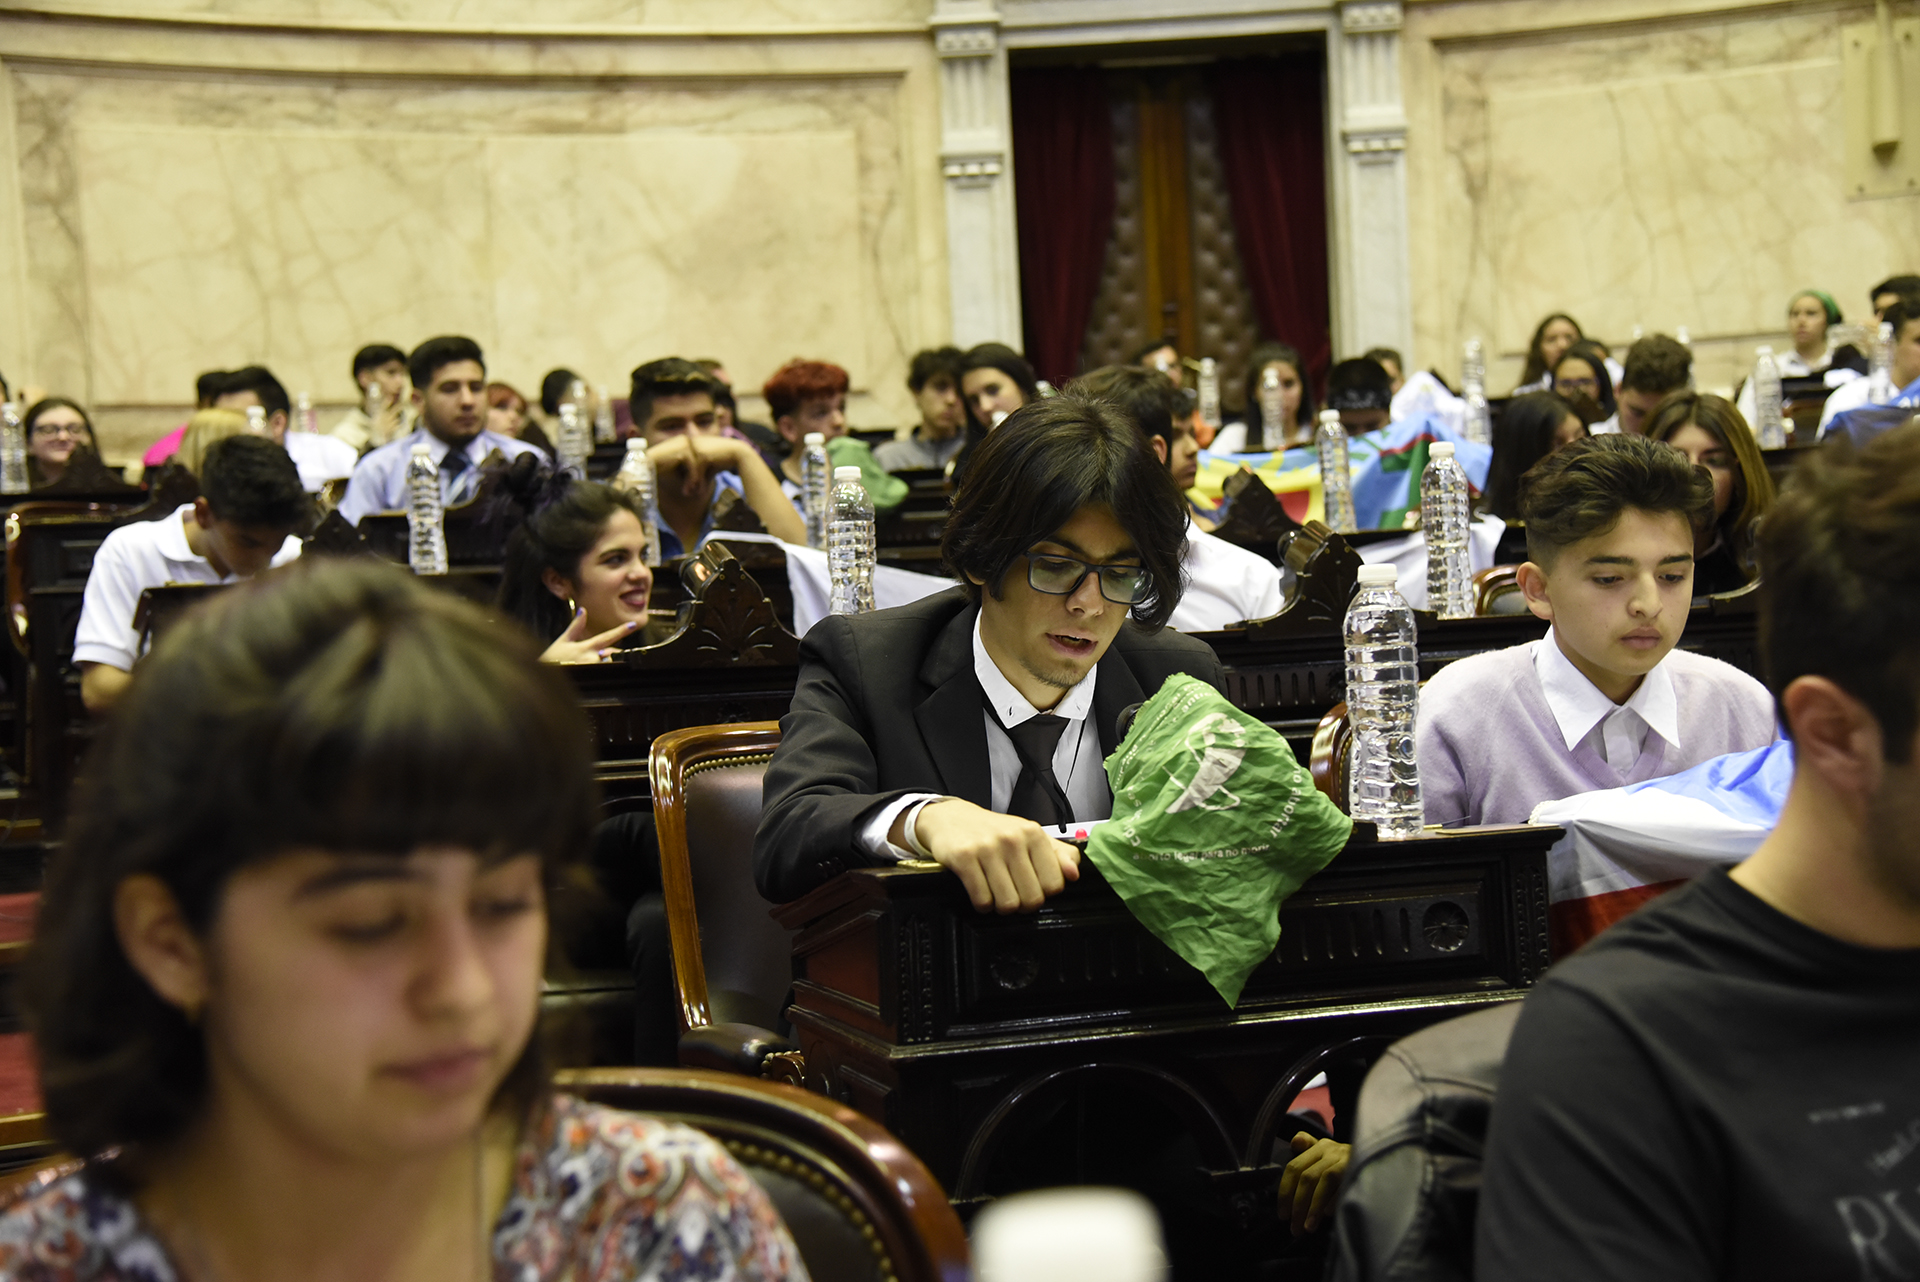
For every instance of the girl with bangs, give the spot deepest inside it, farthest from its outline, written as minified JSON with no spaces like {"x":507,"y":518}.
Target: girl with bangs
{"x":286,"y":977}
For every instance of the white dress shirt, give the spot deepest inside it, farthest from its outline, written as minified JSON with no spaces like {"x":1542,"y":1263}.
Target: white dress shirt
{"x":1408,"y":556}
{"x":379,"y":483}
{"x":1617,"y":731}
{"x":1077,"y":760}
{"x":1226,"y":584}
{"x":319,"y":458}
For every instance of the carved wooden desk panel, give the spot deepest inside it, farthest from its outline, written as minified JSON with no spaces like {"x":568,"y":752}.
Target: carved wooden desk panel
{"x":943,"y":1023}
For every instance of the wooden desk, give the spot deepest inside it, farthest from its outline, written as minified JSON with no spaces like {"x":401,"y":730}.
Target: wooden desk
{"x":948,"y":1026}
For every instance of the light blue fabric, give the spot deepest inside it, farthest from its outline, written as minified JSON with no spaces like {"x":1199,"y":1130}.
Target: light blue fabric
{"x":1385,"y":466}
{"x":670,"y":545}
{"x":1750,"y":787}
{"x":1869,"y":421}
{"x":379,"y":482}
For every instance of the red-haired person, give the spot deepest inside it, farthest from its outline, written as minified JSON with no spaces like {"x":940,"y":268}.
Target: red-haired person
{"x":805,"y":396}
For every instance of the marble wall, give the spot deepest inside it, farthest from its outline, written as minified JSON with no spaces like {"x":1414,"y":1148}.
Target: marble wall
{"x":199,"y":187}
{"x":1661,"y":164}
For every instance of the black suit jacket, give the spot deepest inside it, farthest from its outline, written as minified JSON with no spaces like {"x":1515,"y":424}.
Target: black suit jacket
{"x":887,"y":703}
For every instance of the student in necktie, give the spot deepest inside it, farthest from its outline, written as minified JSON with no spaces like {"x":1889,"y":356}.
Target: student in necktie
{"x":957,"y":728}
{"x":449,"y":376}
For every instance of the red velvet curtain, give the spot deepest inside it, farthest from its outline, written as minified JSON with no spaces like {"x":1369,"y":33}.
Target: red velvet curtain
{"x":1063,"y":189}
{"x":1269,"y":115}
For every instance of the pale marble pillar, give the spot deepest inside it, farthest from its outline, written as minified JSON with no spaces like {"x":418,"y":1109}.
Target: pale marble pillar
{"x":1373,"y":304}
{"x":976,"y":158}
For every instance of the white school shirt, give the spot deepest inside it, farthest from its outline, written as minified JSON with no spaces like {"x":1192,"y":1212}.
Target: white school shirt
{"x":1618,"y":731}
{"x":1077,"y":760}
{"x":319,"y":458}
{"x":131,"y":559}
{"x":1226,"y":584}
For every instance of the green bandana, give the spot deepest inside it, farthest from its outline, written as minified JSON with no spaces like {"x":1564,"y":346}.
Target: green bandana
{"x":1214,"y":825}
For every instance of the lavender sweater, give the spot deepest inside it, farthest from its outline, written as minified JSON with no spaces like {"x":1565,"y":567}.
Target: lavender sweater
{"x":1490,"y":750}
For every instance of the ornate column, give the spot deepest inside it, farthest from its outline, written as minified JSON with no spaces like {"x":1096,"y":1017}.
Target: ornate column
{"x":1370,"y":238}
{"x":976,"y":158}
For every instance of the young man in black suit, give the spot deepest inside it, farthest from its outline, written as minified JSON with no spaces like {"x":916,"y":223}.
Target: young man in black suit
{"x":953,"y":729}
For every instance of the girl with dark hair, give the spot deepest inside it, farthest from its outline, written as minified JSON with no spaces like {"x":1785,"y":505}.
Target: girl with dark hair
{"x":1811,"y":351}
{"x":1296,"y":399}
{"x":1529,"y":428}
{"x":576,"y":569}
{"x":1712,"y":433}
{"x":1581,"y":376}
{"x":285,"y":981}
{"x":995,"y":381}
{"x":56,"y":429}
{"x":1551,"y":338}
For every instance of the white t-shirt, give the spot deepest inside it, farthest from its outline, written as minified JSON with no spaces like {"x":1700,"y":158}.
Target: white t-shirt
{"x":1226,"y":584}
{"x":320,"y":458}
{"x":1409,"y":556}
{"x":133,"y":558}
{"x":1848,"y":396}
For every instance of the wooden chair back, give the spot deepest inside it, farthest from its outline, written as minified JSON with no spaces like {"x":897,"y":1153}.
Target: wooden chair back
{"x":861,"y":1208}
{"x":1496,"y":591}
{"x":1332,"y":755}
{"x":732,"y":962}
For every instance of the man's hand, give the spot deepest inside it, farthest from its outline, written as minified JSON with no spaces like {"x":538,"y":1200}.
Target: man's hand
{"x":1006,"y":863}
{"x":575,"y":646}
{"x":686,"y":464}
{"x":1311,"y":1181}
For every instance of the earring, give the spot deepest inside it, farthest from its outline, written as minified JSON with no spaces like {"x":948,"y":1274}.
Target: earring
{"x":571,"y":607}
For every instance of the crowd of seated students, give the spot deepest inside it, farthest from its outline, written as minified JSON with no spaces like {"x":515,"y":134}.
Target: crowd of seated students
{"x":1079,"y":566}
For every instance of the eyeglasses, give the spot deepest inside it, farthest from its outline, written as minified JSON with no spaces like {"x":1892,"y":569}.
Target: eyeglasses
{"x":1063,"y":575}
{"x":78,"y":431}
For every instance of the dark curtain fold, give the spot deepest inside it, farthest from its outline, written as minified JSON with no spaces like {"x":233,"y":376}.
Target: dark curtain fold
{"x":1063,"y":191}
{"x":1269,"y":115}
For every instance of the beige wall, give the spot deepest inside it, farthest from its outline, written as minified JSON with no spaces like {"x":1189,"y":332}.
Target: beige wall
{"x":210,"y":184}
{"x":1652,"y":162}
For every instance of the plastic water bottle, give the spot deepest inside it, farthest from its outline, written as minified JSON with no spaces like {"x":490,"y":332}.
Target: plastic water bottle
{"x":1383,"y":689}
{"x":1766,"y":400}
{"x":636,"y":477}
{"x":1336,"y":478}
{"x":372,"y":404}
{"x":603,"y":419}
{"x":571,"y":441}
{"x":1685,"y":339}
{"x":426,"y":524}
{"x":1209,"y":389}
{"x":13,"y":451}
{"x":816,"y":478}
{"x":850,"y":544}
{"x":1473,"y":381}
{"x":304,"y":419}
{"x":1880,"y":387}
{"x":1639,"y":332}
{"x":1273,"y":412}
{"x":1047,"y":390}
{"x":257,"y":421}
{"x":1443,"y":519}
{"x":999,"y":417}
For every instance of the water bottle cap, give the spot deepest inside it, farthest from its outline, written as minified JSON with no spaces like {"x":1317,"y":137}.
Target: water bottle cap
{"x":845,"y":474}
{"x":814,"y":438}
{"x":1440,"y":449}
{"x":1330,"y":416}
{"x":636,"y":445}
{"x":1374,"y":576}
{"x":1763,"y":350}
{"x":421,"y":447}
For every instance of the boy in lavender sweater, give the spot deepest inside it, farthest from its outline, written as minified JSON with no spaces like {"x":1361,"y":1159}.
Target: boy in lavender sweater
{"x":1604,"y":699}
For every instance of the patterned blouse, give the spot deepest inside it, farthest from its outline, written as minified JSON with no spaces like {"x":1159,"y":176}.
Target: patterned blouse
{"x":598,"y":1196}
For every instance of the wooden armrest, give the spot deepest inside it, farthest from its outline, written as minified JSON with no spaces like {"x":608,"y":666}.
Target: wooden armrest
{"x":730,"y":1048}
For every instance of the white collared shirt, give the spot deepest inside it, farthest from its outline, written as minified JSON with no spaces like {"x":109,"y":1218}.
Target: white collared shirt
{"x":131,"y":559}
{"x":1617,"y":731}
{"x":1077,"y":761}
{"x":1226,"y":584}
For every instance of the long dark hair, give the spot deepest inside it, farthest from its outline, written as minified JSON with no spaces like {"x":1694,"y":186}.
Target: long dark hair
{"x":1263,"y":356}
{"x":1536,"y":359}
{"x":564,"y":524}
{"x":1752,"y":495}
{"x":337,"y":705}
{"x":1047,"y":461}
{"x":1523,"y":436}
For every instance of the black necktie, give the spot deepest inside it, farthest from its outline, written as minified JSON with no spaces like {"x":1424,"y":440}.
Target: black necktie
{"x":1036,"y":793}
{"x":455,"y":464}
